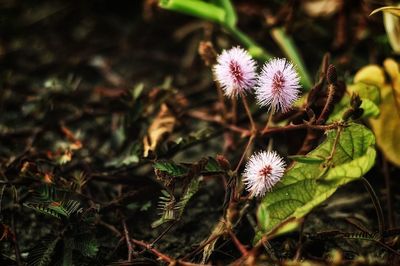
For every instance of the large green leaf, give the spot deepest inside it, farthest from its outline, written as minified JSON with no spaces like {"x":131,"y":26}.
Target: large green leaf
{"x":306,"y":185}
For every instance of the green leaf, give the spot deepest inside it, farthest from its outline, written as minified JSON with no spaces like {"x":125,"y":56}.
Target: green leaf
{"x":305,"y":185}
{"x":56,"y":209}
{"x":41,"y":253}
{"x":365,"y":91}
{"x":87,"y":245}
{"x":212,"y":166}
{"x":128,"y":157}
{"x":69,"y":245}
{"x":170,"y":168}
{"x":43,"y":208}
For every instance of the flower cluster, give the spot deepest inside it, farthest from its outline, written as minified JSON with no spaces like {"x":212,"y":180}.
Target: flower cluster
{"x":277,"y":86}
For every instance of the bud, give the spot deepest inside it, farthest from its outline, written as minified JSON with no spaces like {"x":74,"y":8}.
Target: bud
{"x":355,"y":101}
{"x":223,"y":162}
{"x":331,"y":74}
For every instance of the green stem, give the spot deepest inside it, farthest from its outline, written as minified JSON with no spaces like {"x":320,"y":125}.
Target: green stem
{"x":196,"y":8}
{"x":231,"y":17}
{"x":289,"y":48}
{"x":254,"y":49}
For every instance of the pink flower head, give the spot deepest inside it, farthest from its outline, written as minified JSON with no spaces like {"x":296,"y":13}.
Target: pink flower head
{"x":235,"y":71}
{"x":278,"y":85}
{"x":263,"y":170}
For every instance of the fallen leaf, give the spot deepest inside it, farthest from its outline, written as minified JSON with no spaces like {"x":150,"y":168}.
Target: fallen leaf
{"x":321,"y":8}
{"x":162,"y":125}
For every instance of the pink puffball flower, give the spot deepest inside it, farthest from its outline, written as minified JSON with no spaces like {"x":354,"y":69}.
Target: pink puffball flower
{"x":263,"y":170}
{"x":278,"y":85}
{"x":235,"y":71}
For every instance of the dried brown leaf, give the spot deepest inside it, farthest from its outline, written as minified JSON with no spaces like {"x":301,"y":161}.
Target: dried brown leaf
{"x":162,"y":126}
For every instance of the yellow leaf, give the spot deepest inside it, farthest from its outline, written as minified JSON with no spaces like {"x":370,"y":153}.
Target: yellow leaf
{"x":162,"y":125}
{"x":394,"y":10}
{"x":387,"y":127}
{"x":392,"y":27}
{"x":371,"y":74}
{"x":393,"y":69}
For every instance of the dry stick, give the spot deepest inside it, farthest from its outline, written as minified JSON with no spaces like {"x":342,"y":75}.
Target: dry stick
{"x":128,"y":242}
{"x":15,"y":240}
{"x":389,"y":202}
{"x":109,"y":227}
{"x":237,"y":243}
{"x":377,"y":205}
{"x":301,"y":239}
{"x":200,"y":247}
{"x":164,"y":233}
{"x":205,"y":117}
{"x":161,"y":255}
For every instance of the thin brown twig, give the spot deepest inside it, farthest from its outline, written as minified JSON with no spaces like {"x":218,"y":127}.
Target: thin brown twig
{"x":164,"y":233}
{"x":205,"y":117}
{"x":200,"y":247}
{"x":266,"y":131}
{"x":298,"y":127}
{"x":377,"y":205}
{"x":301,"y":239}
{"x":238,"y":244}
{"x":161,"y":255}
{"x":128,"y":242}
{"x":109,"y":227}
{"x":389,"y":198}
{"x":15,"y":240}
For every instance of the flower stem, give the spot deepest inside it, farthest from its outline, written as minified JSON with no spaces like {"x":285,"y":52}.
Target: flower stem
{"x":248,"y":111}
{"x":251,"y":139}
{"x":269,"y":121}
